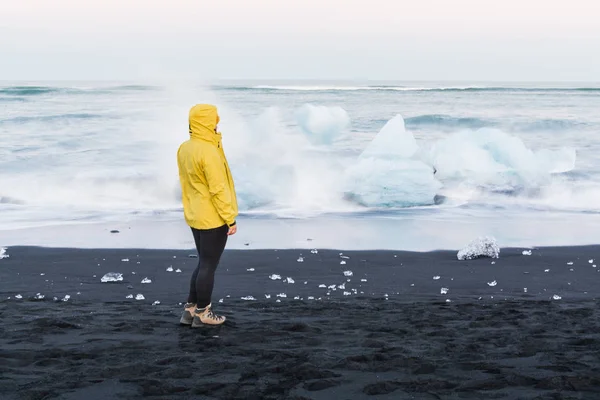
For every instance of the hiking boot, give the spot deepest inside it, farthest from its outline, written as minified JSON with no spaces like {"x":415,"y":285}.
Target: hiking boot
{"x":188,"y":314}
{"x":207,"y":317}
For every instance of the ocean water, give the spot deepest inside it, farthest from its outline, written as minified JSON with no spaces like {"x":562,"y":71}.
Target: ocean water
{"x":86,"y":152}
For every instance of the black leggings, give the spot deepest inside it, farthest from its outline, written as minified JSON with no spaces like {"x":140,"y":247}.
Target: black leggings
{"x":210,"y":244}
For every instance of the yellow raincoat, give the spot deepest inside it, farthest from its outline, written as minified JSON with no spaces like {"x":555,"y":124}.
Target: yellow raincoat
{"x":208,"y":191}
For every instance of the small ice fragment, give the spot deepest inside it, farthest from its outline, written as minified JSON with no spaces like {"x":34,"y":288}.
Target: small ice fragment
{"x":156,"y":303}
{"x":342,"y":262}
{"x":526,"y":252}
{"x":170,"y":269}
{"x":346,"y":257}
{"x":297,"y":298}
{"x":278,"y":301}
{"x":591,"y":261}
{"x":290,"y":280}
{"x":348,"y":273}
{"x":314,"y":251}
{"x":594,"y":266}
{"x":275,"y":277}
{"x":228,"y":296}
{"x":525,"y":290}
{"x":306,"y":282}
{"x":311,"y":298}
{"x":129,"y":296}
{"x":348,"y":280}
{"x":18,"y":296}
{"x":331,"y":287}
{"x":139,"y":297}
{"x":250,"y":269}
{"x":412,"y":284}
{"x":435,"y":278}
{"x":444,"y":290}
{"x":556,"y":297}
{"x":282,"y":295}
{"x":42,"y":274}
{"x":248,"y":298}
{"x":268,"y":296}
{"x":133,"y":272}
{"x":66,"y":298}
{"x":363,"y":280}
{"x":174,"y":256}
{"x":546,"y":270}
{"x":571,"y":269}
{"x":448,"y":300}
{"x":492,"y":283}
{"x":39,"y":296}
{"x":125,"y":260}
{"x":3,"y":253}
{"x":342,"y":286}
{"x":112,"y":277}
{"x":322,"y":285}
{"x":300,"y":259}
{"x":139,"y":262}
{"x":94,"y":276}
{"x":177,"y":270}
{"x":220,"y":300}
{"x":146,"y":280}
{"x":347,"y":293}
{"x":481,"y":247}
{"x":570,"y":263}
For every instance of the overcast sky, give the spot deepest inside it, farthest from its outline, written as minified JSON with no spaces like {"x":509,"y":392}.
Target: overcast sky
{"x":509,"y":40}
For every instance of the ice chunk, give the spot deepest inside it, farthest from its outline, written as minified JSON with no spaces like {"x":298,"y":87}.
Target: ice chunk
{"x":248,"y":298}
{"x":570,"y":263}
{"x":290,"y":280}
{"x":275,"y":277}
{"x":268,"y":296}
{"x":170,"y":269}
{"x":322,"y":285}
{"x":250,"y":269}
{"x":526,"y":252}
{"x":481,"y":247}
{"x":3,"y":253}
{"x":177,"y":270}
{"x":556,"y":297}
{"x":112,"y":277}
{"x":297,"y":298}
{"x":66,"y":298}
{"x":282,"y":295}
{"x":39,"y":296}
{"x":300,"y":259}
{"x":342,"y":286}
{"x":314,"y":251}
{"x":492,"y":283}
{"x":322,"y":124}
{"x":344,"y":257}
{"x":156,"y":303}
{"x":363,"y":280}
{"x":435,"y":278}
{"x":146,"y":280}
{"x":18,"y":296}
{"x":220,"y":300}
{"x":444,"y":290}
{"x":343,"y":262}
{"x":129,"y":296}
{"x":347,"y":293}
{"x":139,"y":297}
{"x":525,"y":290}
{"x":348,"y":273}
{"x":591,"y":261}
{"x":389,"y":174}
{"x":546,"y":270}
{"x":125,"y":260}
{"x":311,"y":298}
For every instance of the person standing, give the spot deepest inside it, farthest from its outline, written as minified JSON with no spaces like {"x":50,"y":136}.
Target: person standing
{"x":209,"y":206}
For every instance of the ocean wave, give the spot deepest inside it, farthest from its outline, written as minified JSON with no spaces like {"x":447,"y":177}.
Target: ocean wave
{"x":50,"y":118}
{"x":447,"y":121}
{"x":314,"y":88}
{"x":26,"y":91}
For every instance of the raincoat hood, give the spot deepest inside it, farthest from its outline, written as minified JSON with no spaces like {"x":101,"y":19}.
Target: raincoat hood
{"x":203,"y":120}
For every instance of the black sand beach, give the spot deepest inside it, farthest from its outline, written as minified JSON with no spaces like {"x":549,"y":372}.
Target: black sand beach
{"x":386,"y":325}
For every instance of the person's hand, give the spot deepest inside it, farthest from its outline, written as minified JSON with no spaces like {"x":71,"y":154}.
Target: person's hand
{"x":232,"y":230}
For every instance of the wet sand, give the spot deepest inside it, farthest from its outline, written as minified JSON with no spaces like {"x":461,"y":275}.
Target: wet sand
{"x":386,"y":325}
